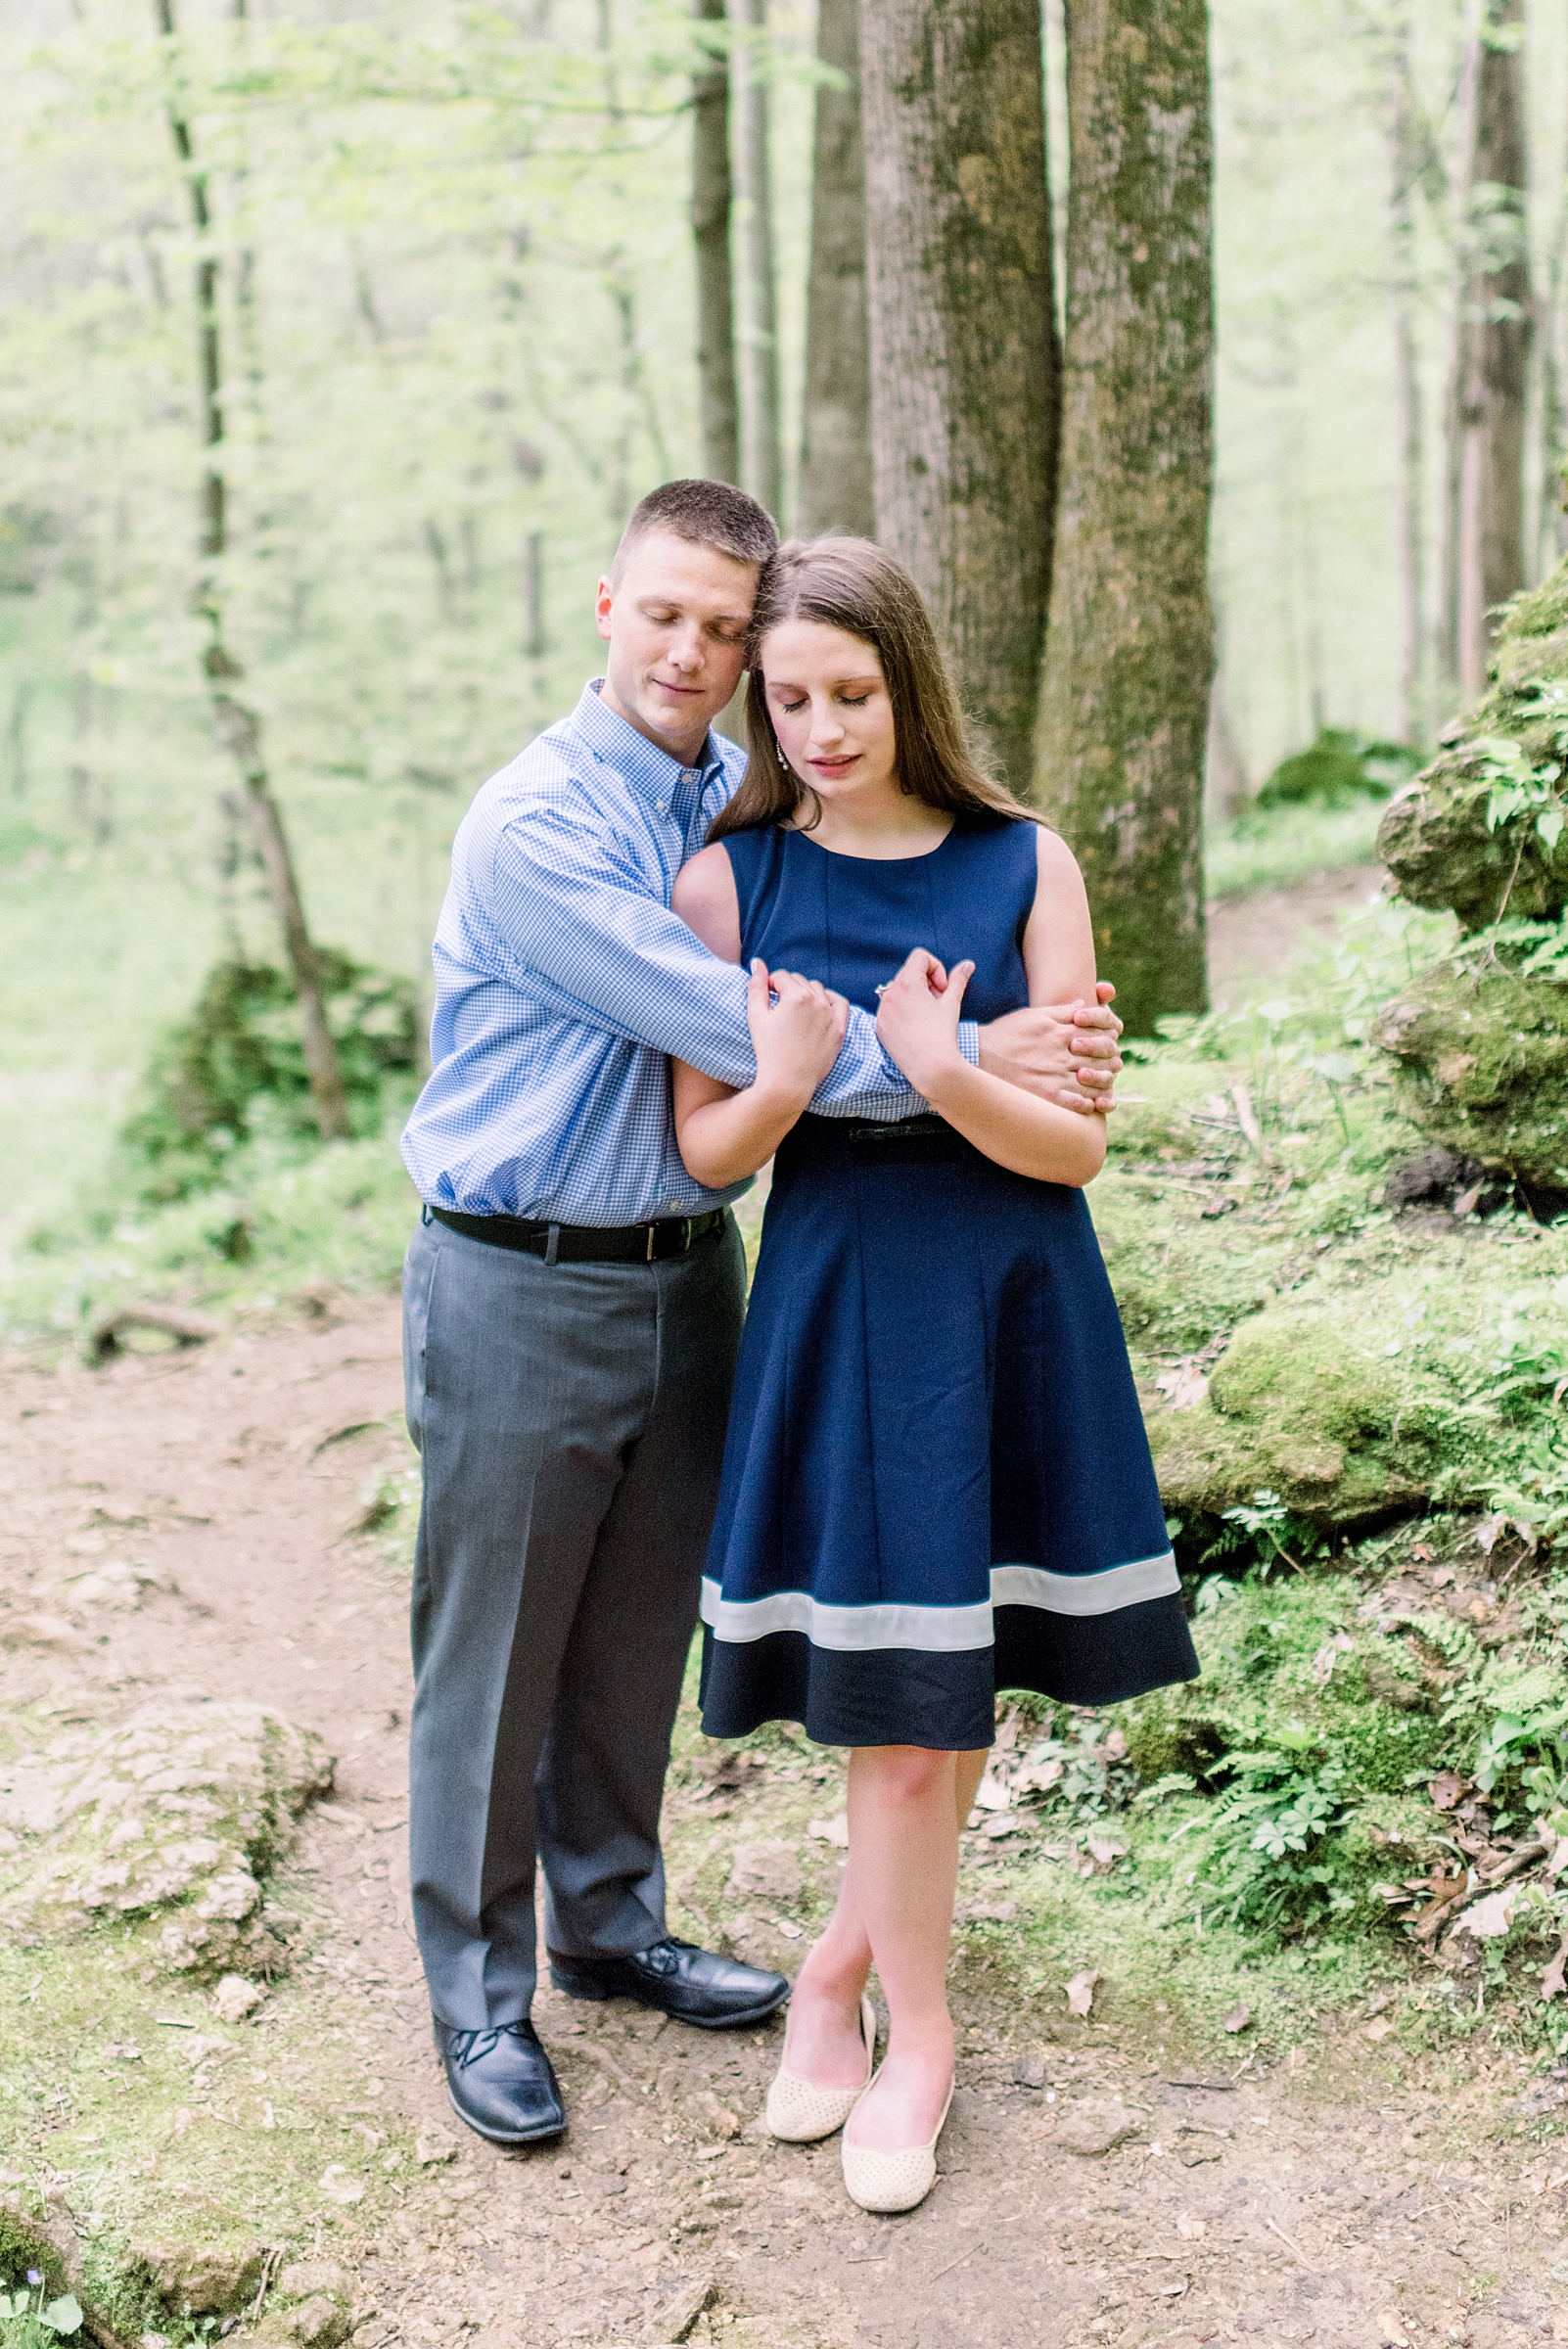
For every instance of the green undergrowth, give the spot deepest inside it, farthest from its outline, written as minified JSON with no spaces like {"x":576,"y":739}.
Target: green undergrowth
{"x":101,"y":2112}
{"x":286,"y":1214}
{"x":1270,"y":848}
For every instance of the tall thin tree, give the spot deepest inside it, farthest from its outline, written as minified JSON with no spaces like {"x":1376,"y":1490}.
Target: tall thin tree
{"x":964,"y":365}
{"x":836,"y":486}
{"x":1131,"y":644}
{"x":238,"y":726}
{"x":718,"y":400}
{"x":1494,"y":344}
{"x":1411,"y":160}
{"x":761,"y":441}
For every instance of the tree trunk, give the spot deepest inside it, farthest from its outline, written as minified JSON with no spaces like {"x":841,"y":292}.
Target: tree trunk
{"x":717,"y":397}
{"x":1130,"y":651}
{"x":239,"y":729}
{"x":964,"y":364}
{"x":1495,"y":346}
{"x":761,"y":439}
{"x":836,"y":487}
{"x":1449,"y":631}
{"x":1405,"y":159}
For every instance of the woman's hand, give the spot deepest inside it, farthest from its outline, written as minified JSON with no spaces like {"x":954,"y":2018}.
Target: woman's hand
{"x":796,"y":1030}
{"x":918,"y":1019}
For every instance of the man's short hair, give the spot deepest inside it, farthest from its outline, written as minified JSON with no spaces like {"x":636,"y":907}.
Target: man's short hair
{"x":703,"y":513}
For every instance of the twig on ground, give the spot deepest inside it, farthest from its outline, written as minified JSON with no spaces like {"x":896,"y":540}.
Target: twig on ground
{"x":1275,"y":2225}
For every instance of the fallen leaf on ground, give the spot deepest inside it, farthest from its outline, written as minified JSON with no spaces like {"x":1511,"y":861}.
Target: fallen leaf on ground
{"x":831,"y":1830}
{"x":1196,"y":2149}
{"x":1237,"y":2019}
{"x":1182,"y":1388}
{"x":434,"y":2145}
{"x":1445,"y":1790}
{"x":1080,"y":1992}
{"x":1491,"y":1917}
{"x":1191,"y":2230}
{"x":992,"y":1795}
{"x":1378,"y":2030}
{"x":1105,"y":1854}
{"x":1551,"y":1981}
{"x":999,"y":1913}
{"x":1003,"y":1823}
{"x":1391,"y":2330}
{"x":1115,"y":1747}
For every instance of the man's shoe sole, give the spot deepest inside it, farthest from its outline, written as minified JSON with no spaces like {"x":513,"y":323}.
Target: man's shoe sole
{"x":584,"y":1986}
{"x":510,"y":2137}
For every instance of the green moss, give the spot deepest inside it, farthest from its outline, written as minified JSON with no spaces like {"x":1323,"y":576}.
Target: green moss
{"x":1483,"y":1066}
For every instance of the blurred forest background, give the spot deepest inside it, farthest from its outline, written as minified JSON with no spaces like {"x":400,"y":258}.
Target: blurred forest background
{"x":454,"y":286}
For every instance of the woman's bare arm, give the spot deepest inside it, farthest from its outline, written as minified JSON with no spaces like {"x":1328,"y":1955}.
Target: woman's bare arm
{"x":796,"y":1029}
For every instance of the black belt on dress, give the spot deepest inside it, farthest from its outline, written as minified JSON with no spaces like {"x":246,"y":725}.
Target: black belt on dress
{"x":921,"y":1142}
{"x":587,"y":1243}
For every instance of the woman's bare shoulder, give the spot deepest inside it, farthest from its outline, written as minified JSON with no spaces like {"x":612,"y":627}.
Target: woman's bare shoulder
{"x":703,"y":896}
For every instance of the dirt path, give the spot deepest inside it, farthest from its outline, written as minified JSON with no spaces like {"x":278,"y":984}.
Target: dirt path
{"x":1252,"y":939}
{"x":1345,"y":2196}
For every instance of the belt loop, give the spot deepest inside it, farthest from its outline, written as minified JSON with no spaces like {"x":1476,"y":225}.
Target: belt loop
{"x":650,"y":1255}
{"x":425,"y":1216}
{"x":686,"y":1237}
{"x":552,"y":1244}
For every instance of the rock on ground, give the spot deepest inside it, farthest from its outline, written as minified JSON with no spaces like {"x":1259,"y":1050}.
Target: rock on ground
{"x":184,"y":1807}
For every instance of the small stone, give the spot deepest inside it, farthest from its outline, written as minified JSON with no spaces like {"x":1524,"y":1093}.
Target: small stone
{"x":235,"y":2000}
{"x":1028,"y":2070}
{"x":340,"y":2185}
{"x":1237,"y":2019}
{"x":205,"y":2282}
{"x":434,"y":2145}
{"x":1194,"y":2149}
{"x":772,"y":1869}
{"x":1378,"y":2030}
{"x":1096,"y":2129}
{"x":318,"y":2323}
{"x":722,"y":2121}
{"x":305,"y":2277}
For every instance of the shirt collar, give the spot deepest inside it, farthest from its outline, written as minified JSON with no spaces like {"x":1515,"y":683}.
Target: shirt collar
{"x":634,"y":756}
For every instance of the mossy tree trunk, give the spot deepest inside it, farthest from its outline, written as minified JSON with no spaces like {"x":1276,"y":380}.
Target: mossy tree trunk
{"x":711,"y":195}
{"x":238,"y":726}
{"x":1494,"y":344}
{"x":964,"y":373}
{"x":836,"y":488}
{"x":1130,"y":649}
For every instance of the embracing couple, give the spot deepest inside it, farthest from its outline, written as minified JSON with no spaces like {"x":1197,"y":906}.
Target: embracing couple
{"x":916,"y":1476}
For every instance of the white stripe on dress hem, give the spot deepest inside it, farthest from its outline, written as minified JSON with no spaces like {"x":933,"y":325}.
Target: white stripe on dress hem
{"x":938,"y":1628}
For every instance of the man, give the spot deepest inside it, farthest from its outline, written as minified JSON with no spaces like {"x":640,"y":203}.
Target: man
{"x":573,"y":1303}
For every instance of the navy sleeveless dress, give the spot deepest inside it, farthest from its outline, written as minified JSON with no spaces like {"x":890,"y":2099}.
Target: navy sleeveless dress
{"x":936,"y":1483}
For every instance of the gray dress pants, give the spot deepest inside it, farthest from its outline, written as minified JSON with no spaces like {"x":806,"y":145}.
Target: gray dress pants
{"x":571,"y":1421}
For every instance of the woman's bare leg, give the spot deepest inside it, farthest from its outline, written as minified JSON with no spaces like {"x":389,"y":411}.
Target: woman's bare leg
{"x":971,"y":1769}
{"x":824,"y":2042}
{"x":904,"y":1840}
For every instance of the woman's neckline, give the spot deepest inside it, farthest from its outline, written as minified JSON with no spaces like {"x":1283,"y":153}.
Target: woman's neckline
{"x":794,"y":831}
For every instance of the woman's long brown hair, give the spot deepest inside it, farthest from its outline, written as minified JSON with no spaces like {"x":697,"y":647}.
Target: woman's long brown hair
{"x":850,"y":584}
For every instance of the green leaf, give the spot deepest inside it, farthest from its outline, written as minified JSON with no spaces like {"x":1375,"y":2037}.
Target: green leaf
{"x":63,"y":2316}
{"x":1550,"y":823}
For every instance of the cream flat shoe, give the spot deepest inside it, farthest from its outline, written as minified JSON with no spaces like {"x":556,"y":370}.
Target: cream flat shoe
{"x":800,"y":2112}
{"x":889,"y":2182}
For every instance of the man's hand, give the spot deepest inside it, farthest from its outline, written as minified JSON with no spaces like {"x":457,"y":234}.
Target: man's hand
{"x":1065,"y":1053}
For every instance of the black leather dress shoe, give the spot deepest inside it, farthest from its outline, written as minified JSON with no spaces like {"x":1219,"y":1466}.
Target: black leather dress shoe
{"x":502,"y":2082}
{"x":716,"y":1994}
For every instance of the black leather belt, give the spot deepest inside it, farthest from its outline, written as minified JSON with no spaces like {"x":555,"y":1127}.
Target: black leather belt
{"x":587,"y":1243}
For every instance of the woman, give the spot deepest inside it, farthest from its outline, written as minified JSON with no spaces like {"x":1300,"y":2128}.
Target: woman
{"x":936,"y":1483}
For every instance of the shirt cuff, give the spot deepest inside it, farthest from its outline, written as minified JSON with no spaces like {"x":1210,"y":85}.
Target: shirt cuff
{"x":969,"y":1041}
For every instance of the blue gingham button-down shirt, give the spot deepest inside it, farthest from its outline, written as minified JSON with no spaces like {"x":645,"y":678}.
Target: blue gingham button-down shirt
{"x":562,"y":982}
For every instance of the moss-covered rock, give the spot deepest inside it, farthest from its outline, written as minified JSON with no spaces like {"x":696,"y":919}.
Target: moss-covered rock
{"x":1436,"y":839}
{"x":1483,"y":1060}
{"x":184,"y":1808}
{"x":1299,"y":1404}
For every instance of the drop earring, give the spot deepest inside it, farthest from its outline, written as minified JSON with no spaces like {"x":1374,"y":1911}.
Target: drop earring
{"x":778,"y":753}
